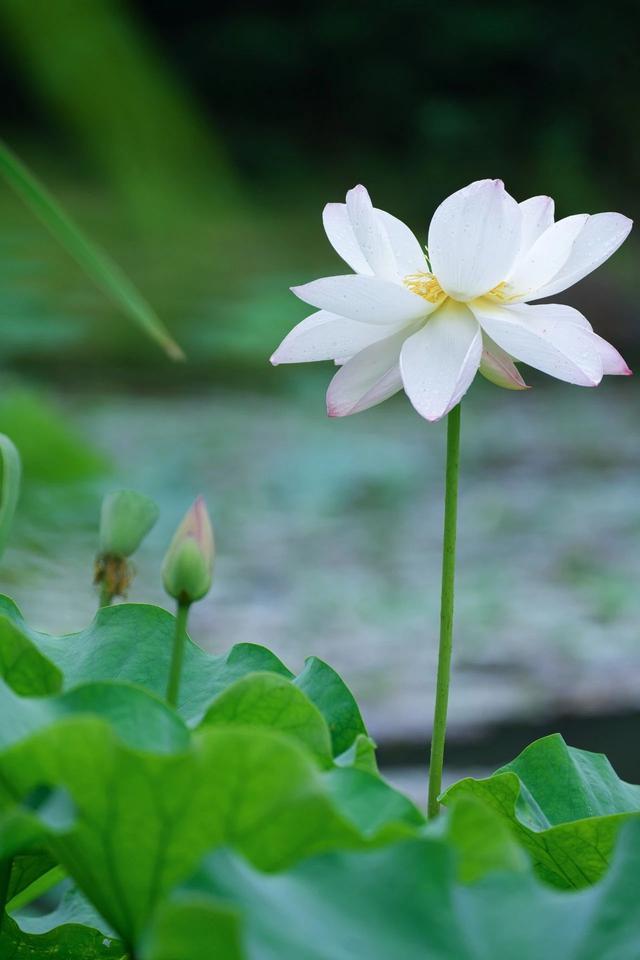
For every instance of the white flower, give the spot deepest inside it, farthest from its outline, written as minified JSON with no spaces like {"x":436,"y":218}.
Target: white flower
{"x":428,"y":322}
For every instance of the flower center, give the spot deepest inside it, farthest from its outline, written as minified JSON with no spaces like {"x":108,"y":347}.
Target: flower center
{"x":426,"y":286}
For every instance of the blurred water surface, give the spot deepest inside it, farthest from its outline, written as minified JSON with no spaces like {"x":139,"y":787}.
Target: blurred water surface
{"x":328,"y":536}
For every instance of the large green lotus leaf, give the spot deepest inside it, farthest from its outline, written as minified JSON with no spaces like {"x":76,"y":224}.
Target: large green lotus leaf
{"x":29,"y":868}
{"x":407,"y":900}
{"x":144,"y":820}
{"x":22,"y":664}
{"x":361,"y":755}
{"x":133,"y":642}
{"x":478,"y":841}
{"x":19,"y":829}
{"x":334,"y":700}
{"x":482,"y":841}
{"x":271,"y":700}
{"x":69,"y":941}
{"x":73,"y":931}
{"x":24,"y":832}
{"x":139,"y":718}
{"x":194,"y":927}
{"x":145,"y":723}
{"x":368,"y":801}
{"x":24,"y":858}
{"x":565,"y":805}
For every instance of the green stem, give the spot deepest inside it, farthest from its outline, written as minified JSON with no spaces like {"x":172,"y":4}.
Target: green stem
{"x":446,"y":611}
{"x":105,"y":595}
{"x":5,"y":878}
{"x":179,"y":641}
{"x":38,"y":888}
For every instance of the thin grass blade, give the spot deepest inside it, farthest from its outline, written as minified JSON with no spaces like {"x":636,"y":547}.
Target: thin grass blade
{"x":98,"y":265}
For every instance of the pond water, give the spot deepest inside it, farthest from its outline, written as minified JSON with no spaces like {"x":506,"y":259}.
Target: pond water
{"x":328,"y":538}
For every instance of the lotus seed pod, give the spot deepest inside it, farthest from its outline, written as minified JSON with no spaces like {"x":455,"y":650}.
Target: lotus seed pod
{"x":187,"y":570}
{"x":125,"y":520}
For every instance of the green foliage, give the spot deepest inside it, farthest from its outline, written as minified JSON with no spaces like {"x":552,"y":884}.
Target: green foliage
{"x":19,"y":830}
{"x":50,"y":450}
{"x":252,"y":822}
{"x":483,"y":844}
{"x":325,"y":688}
{"x":22,"y":665}
{"x":192,"y":927}
{"x":107,"y":650}
{"x":408,"y":900}
{"x":271,"y":700}
{"x":73,"y":929}
{"x":60,"y":943}
{"x":257,"y":774}
{"x":69,"y":55}
{"x":566,"y":807}
{"x":93,"y":260}
{"x":33,"y":882}
{"x":133,"y":642}
{"x":10,"y":470}
{"x":138,"y":718}
{"x":253,"y":789}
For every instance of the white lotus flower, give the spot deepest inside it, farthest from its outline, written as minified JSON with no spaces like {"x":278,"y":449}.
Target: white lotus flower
{"x":428,"y":322}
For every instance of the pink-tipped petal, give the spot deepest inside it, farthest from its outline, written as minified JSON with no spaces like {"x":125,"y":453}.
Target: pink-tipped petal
{"x":612,"y":362}
{"x":367,"y":379}
{"x":498,"y":367}
{"x":541,"y":337}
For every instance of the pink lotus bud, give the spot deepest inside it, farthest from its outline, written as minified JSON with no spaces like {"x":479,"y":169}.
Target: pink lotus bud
{"x":187,"y":570}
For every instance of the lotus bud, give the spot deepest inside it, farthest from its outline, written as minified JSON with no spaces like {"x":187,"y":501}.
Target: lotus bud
{"x":187,"y":570}
{"x":125,"y":520}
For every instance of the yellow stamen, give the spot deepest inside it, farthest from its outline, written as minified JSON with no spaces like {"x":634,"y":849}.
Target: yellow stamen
{"x":499,"y":291}
{"x":426,"y":286}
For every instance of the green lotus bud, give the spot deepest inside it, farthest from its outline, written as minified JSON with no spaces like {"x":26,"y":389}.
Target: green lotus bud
{"x":10,"y":472}
{"x":125,"y":520}
{"x":187,"y":570}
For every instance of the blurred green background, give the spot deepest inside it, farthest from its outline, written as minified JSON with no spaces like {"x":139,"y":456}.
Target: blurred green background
{"x":198,"y":143}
